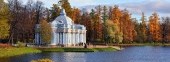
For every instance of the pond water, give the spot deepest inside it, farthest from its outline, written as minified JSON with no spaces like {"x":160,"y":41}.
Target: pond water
{"x":129,"y":54}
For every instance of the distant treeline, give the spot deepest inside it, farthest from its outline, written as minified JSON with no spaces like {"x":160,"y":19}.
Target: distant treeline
{"x":104,"y":24}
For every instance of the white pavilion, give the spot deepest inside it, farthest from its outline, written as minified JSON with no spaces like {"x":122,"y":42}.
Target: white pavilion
{"x":66,"y":33}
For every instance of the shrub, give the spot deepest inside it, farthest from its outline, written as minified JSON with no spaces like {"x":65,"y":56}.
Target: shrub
{"x":20,"y":44}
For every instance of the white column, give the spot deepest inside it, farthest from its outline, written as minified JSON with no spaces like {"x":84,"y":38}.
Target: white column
{"x":78,"y":41}
{"x":58,"y":38}
{"x":85,"y":37}
{"x":63,"y":39}
{"x":68,"y":37}
{"x":81,"y":37}
{"x":76,"y":38}
{"x":73,"y":39}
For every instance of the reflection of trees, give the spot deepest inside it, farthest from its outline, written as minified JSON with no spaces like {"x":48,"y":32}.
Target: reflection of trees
{"x":4,"y":59}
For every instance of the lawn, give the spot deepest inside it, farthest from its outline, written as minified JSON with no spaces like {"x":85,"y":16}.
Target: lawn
{"x":13,"y":51}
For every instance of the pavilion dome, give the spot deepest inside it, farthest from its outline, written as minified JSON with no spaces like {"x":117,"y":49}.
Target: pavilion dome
{"x":63,"y":18}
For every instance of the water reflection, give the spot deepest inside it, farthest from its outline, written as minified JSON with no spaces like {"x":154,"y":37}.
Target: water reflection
{"x":68,"y":57}
{"x":129,"y":54}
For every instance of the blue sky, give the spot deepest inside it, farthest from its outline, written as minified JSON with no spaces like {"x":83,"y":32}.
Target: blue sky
{"x":135,"y":7}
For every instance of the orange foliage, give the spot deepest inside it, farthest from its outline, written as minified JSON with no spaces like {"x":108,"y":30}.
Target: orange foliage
{"x":154,"y":27}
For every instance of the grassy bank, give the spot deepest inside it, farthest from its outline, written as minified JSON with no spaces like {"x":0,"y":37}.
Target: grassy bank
{"x":76,"y":49}
{"x":12,"y":51}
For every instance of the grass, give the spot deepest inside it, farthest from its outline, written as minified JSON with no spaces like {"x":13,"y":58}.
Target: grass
{"x":105,"y":49}
{"x":76,"y":49}
{"x":13,"y":51}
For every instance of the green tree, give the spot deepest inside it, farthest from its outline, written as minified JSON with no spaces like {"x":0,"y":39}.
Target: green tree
{"x":104,"y":18}
{"x":55,"y":11}
{"x":143,"y":28}
{"x":111,"y":28}
{"x":45,"y":30}
{"x":4,"y":26}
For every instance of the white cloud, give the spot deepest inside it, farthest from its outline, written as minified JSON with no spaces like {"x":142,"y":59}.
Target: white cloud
{"x":81,"y":2}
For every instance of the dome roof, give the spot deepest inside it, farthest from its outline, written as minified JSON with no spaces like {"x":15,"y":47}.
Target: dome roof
{"x":63,"y":18}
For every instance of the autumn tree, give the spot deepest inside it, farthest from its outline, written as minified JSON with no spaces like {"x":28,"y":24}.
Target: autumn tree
{"x":45,"y":30}
{"x":154,"y":28}
{"x":127,"y":27}
{"x":66,"y":5}
{"x":76,"y":15}
{"x":4,"y":25}
{"x":86,"y":20}
{"x":15,"y":8}
{"x":116,"y":15}
{"x":96,"y":26}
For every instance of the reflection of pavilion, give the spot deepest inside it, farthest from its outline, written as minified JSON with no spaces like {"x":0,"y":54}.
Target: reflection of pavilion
{"x":68,"y":57}
{"x":66,"y":33}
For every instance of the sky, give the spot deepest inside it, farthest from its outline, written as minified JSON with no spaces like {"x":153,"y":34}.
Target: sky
{"x":135,"y":7}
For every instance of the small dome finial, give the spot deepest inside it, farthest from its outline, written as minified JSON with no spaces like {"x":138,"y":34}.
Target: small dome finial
{"x":60,"y":3}
{"x":62,"y":12}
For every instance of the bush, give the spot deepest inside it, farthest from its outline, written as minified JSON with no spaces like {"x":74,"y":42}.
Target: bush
{"x":20,"y":44}
{"x":42,"y":60}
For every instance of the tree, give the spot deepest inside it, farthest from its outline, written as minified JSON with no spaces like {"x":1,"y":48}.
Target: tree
{"x":116,"y":15}
{"x":4,"y":26}
{"x":127,"y":27}
{"x":96,"y":26}
{"x":154,"y":28}
{"x":45,"y":30}
{"x":104,"y":19}
{"x":76,"y":15}
{"x":111,"y":28}
{"x":143,"y":28}
{"x":23,"y":19}
{"x":66,"y":5}
{"x":55,"y":11}
{"x":165,"y":27}
{"x":138,"y":29}
{"x":86,"y":20}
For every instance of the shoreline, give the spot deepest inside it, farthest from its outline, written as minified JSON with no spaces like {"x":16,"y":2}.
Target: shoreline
{"x":68,"y":49}
{"x":14,"y":51}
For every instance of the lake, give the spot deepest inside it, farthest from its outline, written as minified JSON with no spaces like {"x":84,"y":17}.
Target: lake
{"x":129,"y":54}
